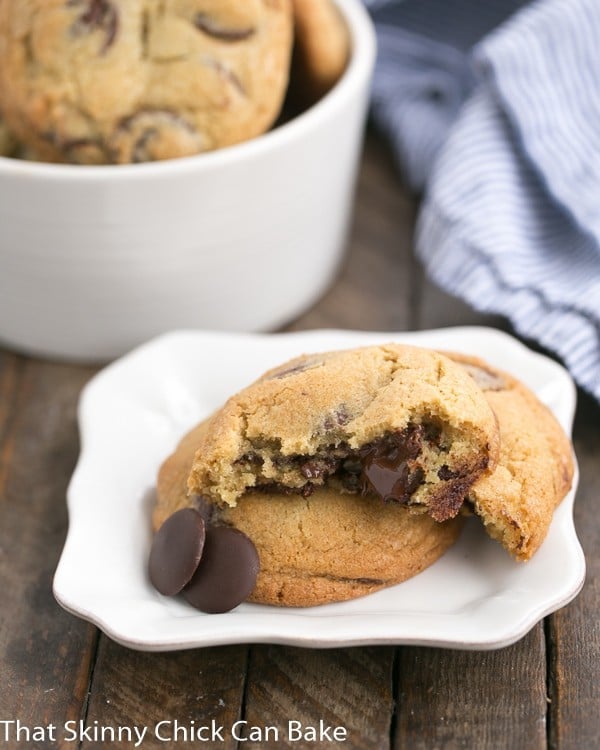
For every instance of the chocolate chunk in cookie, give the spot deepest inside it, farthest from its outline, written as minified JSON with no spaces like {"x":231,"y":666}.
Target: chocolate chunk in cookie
{"x":96,"y":15}
{"x":402,"y":423}
{"x":325,"y":548}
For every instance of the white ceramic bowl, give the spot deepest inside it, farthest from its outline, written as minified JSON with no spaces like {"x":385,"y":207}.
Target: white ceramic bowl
{"x":94,"y":260}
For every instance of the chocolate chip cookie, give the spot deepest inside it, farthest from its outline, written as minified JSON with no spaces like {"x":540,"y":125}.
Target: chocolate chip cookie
{"x":321,"y":48}
{"x":403,"y":424}
{"x":116,"y":81}
{"x":517,"y":499}
{"x":323,"y":548}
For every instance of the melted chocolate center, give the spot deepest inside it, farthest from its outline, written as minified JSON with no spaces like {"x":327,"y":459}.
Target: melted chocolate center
{"x":388,"y":467}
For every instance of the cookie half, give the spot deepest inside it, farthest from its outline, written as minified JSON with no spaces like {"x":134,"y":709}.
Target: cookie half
{"x":329,"y":547}
{"x":517,"y":499}
{"x":403,"y":423}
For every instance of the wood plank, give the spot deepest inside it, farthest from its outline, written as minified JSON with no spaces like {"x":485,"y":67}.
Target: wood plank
{"x":349,"y":688}
{"x":466,"y":699}
{"x":45,"y":653}
{"x":574,"y":632}
{"x":11,"y":366}
{"x":192,"y":688}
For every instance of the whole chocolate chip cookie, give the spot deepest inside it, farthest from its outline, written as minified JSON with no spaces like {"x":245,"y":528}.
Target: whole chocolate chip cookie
{"x":517,"y":499}
{"x":116,"y":81}
{"x":324,"y":548}
{"x":403,"y":424}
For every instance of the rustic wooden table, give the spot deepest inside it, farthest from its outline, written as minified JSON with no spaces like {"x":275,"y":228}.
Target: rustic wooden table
{"x":541,"y":692}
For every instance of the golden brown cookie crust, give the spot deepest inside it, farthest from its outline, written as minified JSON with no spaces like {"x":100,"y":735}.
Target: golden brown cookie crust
{"x":517,"y":499}
{"x":328,"y":407}
{"x":102,"y":81}
{"x":321,"y":47}
{"x":329,"y":547}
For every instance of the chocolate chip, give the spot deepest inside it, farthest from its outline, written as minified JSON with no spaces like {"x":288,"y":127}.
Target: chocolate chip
{"x":227,"y":573}
{"x":96,"y":15}
{"x":445,"y":473}
{"x":140,"y":137}
{"x":141,"y":148}
{"x":176,"y":551}
{"x":432,"y":433}
{"x":249,"y":460}
{"x":339,"y":418}
{"x":448,"y":501}
{"x":226,"y":74}
{"x":301,"y":366}
{"x":485,"y":379}
{"x":320,"y":466}
{"x":208,"y":25}
{"x":307,"y":490}
{"x":388,"y":465}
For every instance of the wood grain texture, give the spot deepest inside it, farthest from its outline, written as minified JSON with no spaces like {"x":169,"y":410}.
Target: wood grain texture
{"x":574,"y":632}
{"x":11,"y":367}
{"x":45,"y":654}
{"x":193,"y":688}
{"x":349,"y":688}
{"x":467,"y":699}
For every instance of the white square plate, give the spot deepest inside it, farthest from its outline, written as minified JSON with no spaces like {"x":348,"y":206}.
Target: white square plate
{"x":133,"y":413}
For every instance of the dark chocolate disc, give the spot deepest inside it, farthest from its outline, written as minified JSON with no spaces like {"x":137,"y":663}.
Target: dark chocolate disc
{"x":176,"y":551}
{"x":227,"y":573}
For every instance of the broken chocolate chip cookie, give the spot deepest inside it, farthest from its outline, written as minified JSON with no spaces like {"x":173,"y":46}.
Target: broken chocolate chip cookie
{"x":402,"y":424}
{"x":324,"y":548}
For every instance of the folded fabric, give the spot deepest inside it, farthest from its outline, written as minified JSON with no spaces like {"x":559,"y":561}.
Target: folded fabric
{"x":503,"y":137}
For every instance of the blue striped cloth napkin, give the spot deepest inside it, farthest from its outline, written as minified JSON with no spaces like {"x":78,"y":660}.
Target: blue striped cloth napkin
{"x":493,"y":110}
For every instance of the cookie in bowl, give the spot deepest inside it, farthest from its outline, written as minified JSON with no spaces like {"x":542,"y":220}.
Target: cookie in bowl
{"x":100,"y":81}
{"x":321,"y":48}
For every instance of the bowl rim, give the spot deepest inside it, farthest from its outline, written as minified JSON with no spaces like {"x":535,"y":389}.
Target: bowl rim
{"x":360,"y":67}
